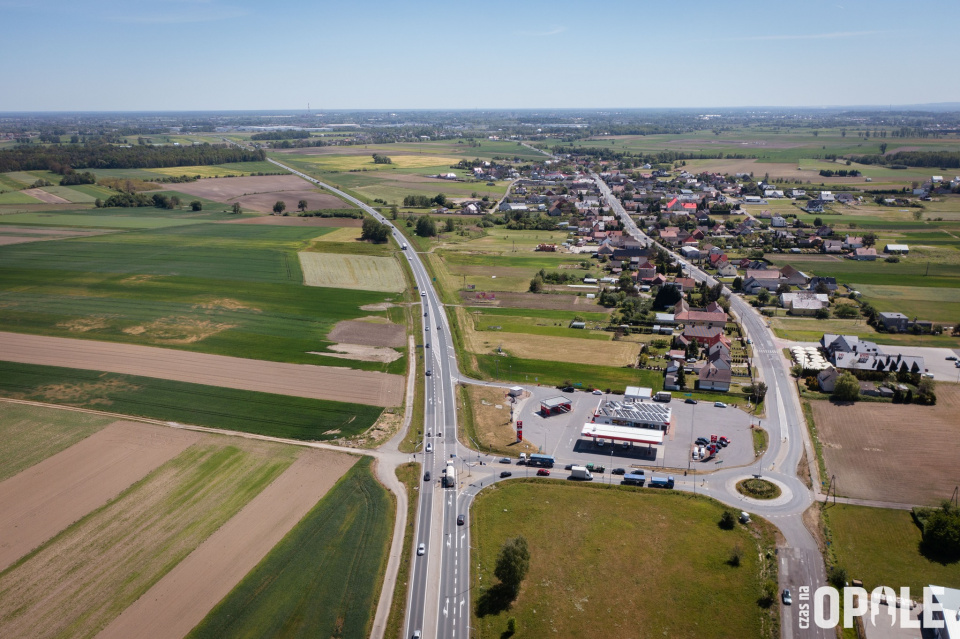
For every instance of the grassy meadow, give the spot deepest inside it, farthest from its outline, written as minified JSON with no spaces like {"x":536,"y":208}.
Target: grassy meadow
{"x":167,"y":400}
{"x":624,"y":552}
{"x":323,"y":578}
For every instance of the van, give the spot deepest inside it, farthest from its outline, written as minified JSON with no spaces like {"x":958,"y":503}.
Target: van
{"x":523,"y":457}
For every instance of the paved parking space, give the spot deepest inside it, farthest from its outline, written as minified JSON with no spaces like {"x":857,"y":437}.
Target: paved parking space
{"x":559,"y":435}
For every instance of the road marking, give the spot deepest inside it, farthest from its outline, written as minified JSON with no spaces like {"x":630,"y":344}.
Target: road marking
{"x":445,"y":602}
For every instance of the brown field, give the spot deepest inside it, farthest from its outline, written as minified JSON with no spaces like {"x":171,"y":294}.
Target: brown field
{"x":368,"y":333}
{"x":893,"y":452}
{"x":184,"y":596}
{"x":259,"y":193}
{"x":317,"y":382}
{"x":292,"y":220}
{"x":550,"y":348}
{"x":44,"y":499}
{"x":43,"y":196}
{"x":358,"y":272}
{"x":534,"y":300}
{"x":493,"y":426}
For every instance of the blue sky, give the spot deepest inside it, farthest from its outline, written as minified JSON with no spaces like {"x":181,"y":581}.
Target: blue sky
{"x":370,"y":54}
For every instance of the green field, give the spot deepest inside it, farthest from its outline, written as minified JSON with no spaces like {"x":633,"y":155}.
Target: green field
{"x":94,"y":219}
{"x":70,"y":194}
{"x":323,"y":578}
{"x":74,"y":584}
{"x":881,"y":547}
{"x":16,"y":197}
{"x":629,"y":562}
{"x":30,"y":434}
{"x":166,"y":400}
{"x":216,"y":288}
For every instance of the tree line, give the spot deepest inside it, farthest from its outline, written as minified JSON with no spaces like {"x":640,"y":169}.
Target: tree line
{"x":280,"y":135}
{"x":935,"y":159}
{"x":61,"y":159}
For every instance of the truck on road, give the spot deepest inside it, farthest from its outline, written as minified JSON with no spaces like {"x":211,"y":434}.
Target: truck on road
{"x":450,"y":477}
{"x":661,"y":482}
{"x":662,"y":396}
{"x":581,"y":472}
{"x":633,"y":479}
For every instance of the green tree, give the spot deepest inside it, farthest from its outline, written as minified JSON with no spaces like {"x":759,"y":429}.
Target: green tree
{"x":846,"y":311}
{"x":941,"y":533}
{"x":822,"y":313}
{"x":98,"y":203}
{"x":727,"y":520}
{"x":450,"y":225}
{"x":536,"y":284}
{"x":440,"y":199}
{"x":847,"y":388}
{"x":374,"y":231}
{"x":818,"y":222}
{"x":302,"y":205}
{"x":426,"y":227}
{"x":737,"y":283}
{"x":763,"y":296}
{"x":513,"y":562}
{"x":279,"y":207}
{"x":869,"y":239}
{"x":196,"y":205}
{"x":927,"y":391}
{"x":236,"y":208}
{"x":174,"y":201}
{"x":681,"y":377}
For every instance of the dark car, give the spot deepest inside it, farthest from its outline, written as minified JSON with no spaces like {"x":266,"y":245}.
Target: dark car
{"x":568,"y":467}
{"x":702,"y":441}
{"x":505,"y":460}
{"x":426,"y":476}
{"x":619,"y":471}
{"x":429,"y":372}
{"x":427,"y":345}
{"x":568,"y":389}
{"x":690,"y":400}
{"x":724,"y":442}
{"x":506,"y":473}
{"x":460,"y":520}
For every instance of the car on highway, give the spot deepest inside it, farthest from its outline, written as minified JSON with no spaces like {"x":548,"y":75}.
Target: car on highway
{"x":543,"y":472}
{"x":690,"y":400}
{"x":568,"y":467}
{"x":719,"y":404}
{"x":505,"y":460}
{"x":506,"y":473}
{"x":787,"y":597}
{"x":421,"y":549}
{"x":460,"y":520}
{"x":426,"y":328}
{"x":425,"y":313}
{"x":426,"y":476}
{"x":429,"y":372}
{"x":427,"y":345}
{"x":416,"y":634}
{"x":429,"y":447}
{"x":422,"y":294}
{"x":619,"y":471}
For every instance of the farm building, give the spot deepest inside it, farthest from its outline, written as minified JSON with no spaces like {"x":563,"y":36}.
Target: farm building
{"x":900,"y":249}
{"x":578,"y":325}
{"x":634,"y":415}
{"x":637,"y":394}
{"x":554,"y":406}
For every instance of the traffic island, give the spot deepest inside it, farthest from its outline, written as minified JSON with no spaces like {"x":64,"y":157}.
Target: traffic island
{"x":757,"y":488}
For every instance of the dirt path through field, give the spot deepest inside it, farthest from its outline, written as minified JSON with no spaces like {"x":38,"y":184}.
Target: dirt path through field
{"x":44,"y":499}
{"x":299,"y":380}
{"x":179,"y":601}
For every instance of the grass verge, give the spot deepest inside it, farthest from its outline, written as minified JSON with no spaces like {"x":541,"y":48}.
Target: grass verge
{"x":815,"y":438}
{"x":760,"y":440}
{"x":322,"y":578}
{"x":409,"y":474}
{"x":758,"y":488}
{"x":214,"y":406}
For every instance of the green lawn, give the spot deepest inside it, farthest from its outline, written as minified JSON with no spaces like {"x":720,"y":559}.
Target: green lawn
{"x":630,"y":562}
{"x":881,"y":547}
{"x":30,"y":434}
{"x":228,"y":408}
{"x":323,"y":578}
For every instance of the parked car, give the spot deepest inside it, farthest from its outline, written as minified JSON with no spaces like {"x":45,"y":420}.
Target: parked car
{"x":952,"y":358}
{"x":421,"y":549}
{"x":570,"y":389}
{"x":723,"y":441}
{"x":702,"y":441}
{"x":505,"y":460}
{"x":543,"y":472}
{"x":690,"y":400}
{"x":597,"y":391}
{"x":719,"y":404}
{"x":460,"y":520}
{"x":619,"y":471}
{"x":506,"y":473}
{"x":787,"y":597}
{"x":750,"y":341}
{"x":426,"y":476}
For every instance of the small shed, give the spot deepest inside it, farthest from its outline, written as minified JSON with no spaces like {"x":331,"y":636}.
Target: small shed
{"x":515,"y":391}
{"x":637,"y":394}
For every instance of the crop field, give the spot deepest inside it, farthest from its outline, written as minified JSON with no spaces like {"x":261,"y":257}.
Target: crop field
{"x":30,"y":434}
{"x":881,"y":547}
{"x":323,"y":578}
{"x":178,"y":287}
{"x":91,"y":219}
{"x":217,"y":170}
{"x":77,"y":582}
{"x":259,"y":193}
{"x":892,"y":452}
{"x":70,"y":194}
{"x":357,"y":272}
{"x":552,"y":373}
{"x":183,"y":402}
{"x":482,"y":149}
{"x":595,"y":580}
{"x":17,"y":197}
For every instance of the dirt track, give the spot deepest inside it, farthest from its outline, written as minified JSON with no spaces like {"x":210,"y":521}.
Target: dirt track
{"x":184,"y":596}
{"x":299,"y":380}
{"x":44,"y":499}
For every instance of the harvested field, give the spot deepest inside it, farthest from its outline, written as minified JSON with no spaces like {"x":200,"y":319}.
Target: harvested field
{"x":44,"y":499}
{"x":362,"y":353}
{"x":82,"y":579}
{"x":368,"y":333}
{"x":185,"y":595}
{"x":892,"y":452}
{"x":347,"y":234}
{"x":534,"y":300}
{"x":358,"y":272}
{"x":43,"y":196}
{"x":291,"y":220}
{"x":259,"y":193}
{"x":30,"y":434}
{"x":317,"y":382}
{"x":491,"y":426}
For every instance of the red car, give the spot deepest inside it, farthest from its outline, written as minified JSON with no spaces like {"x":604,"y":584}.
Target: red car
{"x":543,"y":472}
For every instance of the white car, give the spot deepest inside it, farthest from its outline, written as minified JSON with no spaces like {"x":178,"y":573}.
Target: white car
{"x":719,"y":404}
{"x":597,"y":392}
{"x":422,"y":294}
{"x":429,"y":447}
{"x":421,"y":549}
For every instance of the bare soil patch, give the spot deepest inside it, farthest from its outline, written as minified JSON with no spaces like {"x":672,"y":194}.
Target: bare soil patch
{"x":299,"y":380}
{"x":382,"y":306}
{"x":493,"y":426}
{"x":95,"y":392}
{"x":226,"y":303}
{"x":184,"y":596}
{"x":263,"y":202}
{"x":362,"y":353}
{"x":44,"y":499}
{"x":178,"y":330}
{"x":534,"y":300}
{"x":892,"y":452}
{"x":85,"y":324}
{"x":368,"y":333}
{"x":292,"y":220}
{"x":43,"y":196}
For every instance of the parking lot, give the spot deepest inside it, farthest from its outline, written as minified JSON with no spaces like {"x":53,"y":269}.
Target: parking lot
{"x":559,"y":435}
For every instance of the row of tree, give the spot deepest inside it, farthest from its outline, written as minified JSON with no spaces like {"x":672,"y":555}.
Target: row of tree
{"x":62,"y":159}
{"x":281,"y":135}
